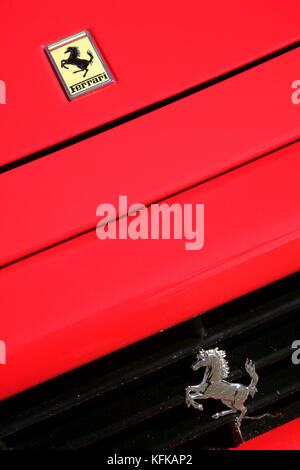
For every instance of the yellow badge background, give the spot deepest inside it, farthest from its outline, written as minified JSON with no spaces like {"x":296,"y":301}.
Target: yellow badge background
{"x":84,"y":44}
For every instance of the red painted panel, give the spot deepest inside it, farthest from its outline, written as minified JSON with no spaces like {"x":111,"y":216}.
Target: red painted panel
{"x":149,"y":158}
{"x":286,"y":437}
{"x":154,"y":50}
{"x":85,"y":298}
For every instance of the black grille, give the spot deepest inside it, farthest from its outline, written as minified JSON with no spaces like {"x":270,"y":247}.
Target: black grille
{"x":134,"y":399}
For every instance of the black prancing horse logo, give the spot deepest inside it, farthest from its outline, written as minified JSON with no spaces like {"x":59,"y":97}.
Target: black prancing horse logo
{"x":73,"y":59}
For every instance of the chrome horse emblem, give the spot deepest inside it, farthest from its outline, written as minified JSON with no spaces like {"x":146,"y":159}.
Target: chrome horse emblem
{"x":215,"y":386}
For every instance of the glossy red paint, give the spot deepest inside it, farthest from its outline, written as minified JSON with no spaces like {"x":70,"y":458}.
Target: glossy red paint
{"x":149,"y":158}
{"x":286,"y":437}
{"x":154,"y":52}
{"x":85,"y":298}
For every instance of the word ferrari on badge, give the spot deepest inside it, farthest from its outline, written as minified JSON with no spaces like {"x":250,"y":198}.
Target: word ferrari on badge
{"x":214,"y":385}
{"x":78,"y":64}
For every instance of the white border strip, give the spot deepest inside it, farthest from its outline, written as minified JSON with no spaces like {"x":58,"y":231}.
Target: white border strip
{"x":63,"y":41}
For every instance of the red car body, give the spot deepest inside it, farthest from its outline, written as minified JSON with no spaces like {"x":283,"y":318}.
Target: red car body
{"x":201,"y":111}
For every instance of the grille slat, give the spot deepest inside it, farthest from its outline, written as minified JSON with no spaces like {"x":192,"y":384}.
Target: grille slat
{"x":189,"y":424}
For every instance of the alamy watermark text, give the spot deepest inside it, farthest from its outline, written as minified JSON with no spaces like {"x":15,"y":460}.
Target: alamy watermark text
{"x":2,"y":92}
{"x":158,"y":221}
